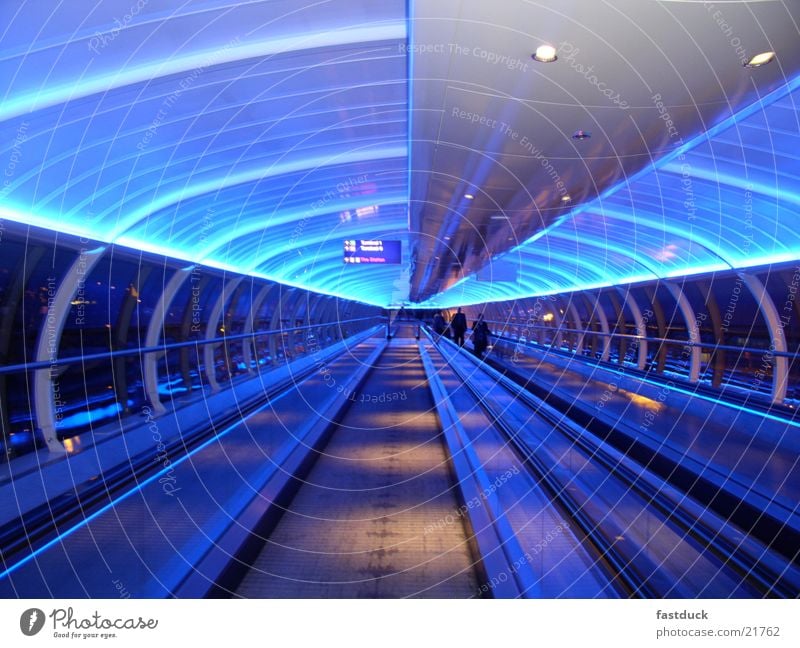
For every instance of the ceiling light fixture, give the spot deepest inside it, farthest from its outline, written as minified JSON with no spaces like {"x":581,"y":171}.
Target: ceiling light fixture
{"x":498,"y":217}
{"x":469,"y":196}
{"x":566,"y":198}
{"x":581,"y":135}
{"x":760,"y":59}
{"x":545,"y":54}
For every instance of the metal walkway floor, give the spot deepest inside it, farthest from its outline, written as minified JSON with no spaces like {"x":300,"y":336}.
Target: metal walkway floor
{"x":376,"y":516}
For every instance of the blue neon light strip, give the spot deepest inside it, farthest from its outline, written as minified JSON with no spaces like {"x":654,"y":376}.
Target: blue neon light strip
{"x":724,"y":125}
{"x":410,"y":99}
{"x":704,"y":137}
{"x":722,"y":250}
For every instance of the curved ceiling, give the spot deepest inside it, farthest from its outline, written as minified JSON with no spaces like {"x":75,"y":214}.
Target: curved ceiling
{"x":250,"y":136}
{"x":647,"y":79}
{"x":258,"y":136}
{"x":728,"y":200}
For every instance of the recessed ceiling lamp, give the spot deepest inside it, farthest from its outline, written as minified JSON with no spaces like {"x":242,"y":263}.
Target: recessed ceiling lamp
{"x":545,"y":54}
{"x":498,"y":217}
{"x":469,"y":196}
{"x":760,"y":59}
{"x":566,"y":199}
{"x":581,"y":135}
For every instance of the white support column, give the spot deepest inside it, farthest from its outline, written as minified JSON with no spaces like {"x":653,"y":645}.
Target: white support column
{"x":539,"y":330}
{"x":303,"y":296}
{"x":49,"y":341}
{"x":558,"y":337}
{"x":211,"y":331}
{"x":324,"y":317}
{"x":691,"y":326}
{"x":606,"y":330}
{"x":288,"y":293}
{"x":154,"y":331}
{"x":332,"y":317}
{"x":780,"y":372}
{"x":641,"y":327}
{"x":316,"y":307}
{"x":247,"y":348}
{"x":577,"y":325}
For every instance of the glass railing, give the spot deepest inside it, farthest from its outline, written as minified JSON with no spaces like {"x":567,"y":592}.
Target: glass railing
{"x":750,"y":369}
{"x":99,"y":387}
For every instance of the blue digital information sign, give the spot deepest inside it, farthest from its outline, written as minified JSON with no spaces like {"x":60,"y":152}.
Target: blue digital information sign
{"x":361,"y":251}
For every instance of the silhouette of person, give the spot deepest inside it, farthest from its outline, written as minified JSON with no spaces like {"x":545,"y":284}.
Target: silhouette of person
{"x":438,"y":324}
{"x":480,"y":336}
{"x":459,"y":327}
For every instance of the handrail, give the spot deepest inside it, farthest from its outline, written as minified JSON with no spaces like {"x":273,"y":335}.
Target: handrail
{"x":119,"y":353}
{"x":628,"y":336}
{"x":473,"y":479}
{"x":619,"y":462}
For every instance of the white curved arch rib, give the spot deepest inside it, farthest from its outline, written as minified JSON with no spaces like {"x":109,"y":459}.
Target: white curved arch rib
{"x":70,"y":91}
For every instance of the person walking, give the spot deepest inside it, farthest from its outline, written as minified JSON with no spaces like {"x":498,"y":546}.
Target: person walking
{"x":459,"y":327}
{"x":480,"y":336}
{"x":439,"y":324}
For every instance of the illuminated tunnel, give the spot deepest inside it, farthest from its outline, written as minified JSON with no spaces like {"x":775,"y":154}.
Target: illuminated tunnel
{"x":425,"y":287}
